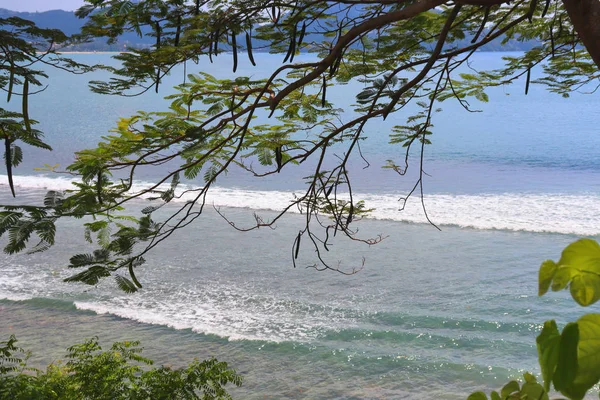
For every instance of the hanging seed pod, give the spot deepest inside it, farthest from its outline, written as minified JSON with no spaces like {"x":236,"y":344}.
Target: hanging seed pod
{"x":99,"y":187}
{"x":178,"y":32}
{"x":11,"y":81}
{"x":278,"y":158}
{"x":302,"y":32}
{"x":249,"y":49}
{"x":350,"y":214}
{"x":197,"y":9}
{"x":334,"y":67}
{"x":8,"y":159}
{"x":528,"y":79}
{"x":292,"y":47}
{"x":552,"y":41}
{"x":210,"y":48}
{"x":324,"y":92}
{"x":216,"y":49}
{"x":482,"y":26}
{"x":297,"y":245}
{"x":26,"y":104}
{"x":546,"y":8}
{"x":329,"y":190}
{"x":235,"y":56}
{"x":157,"y":27}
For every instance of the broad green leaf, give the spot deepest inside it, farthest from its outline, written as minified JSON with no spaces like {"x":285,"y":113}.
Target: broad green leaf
{"x":566,"y":369}
{"x":585,"y":288}
{"x":548,"y":345}
{"x":495,"y":396}
{"x":578,"y":269}
{"x":588,"y":357}
{"x":477,"y":396}
{"x":532,"y":390}
{"x":547,"y":271}
{"x":562,"y":277}
{"x":510,"y":387}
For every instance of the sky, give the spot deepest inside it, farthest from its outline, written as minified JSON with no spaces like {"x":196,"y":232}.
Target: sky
{"x":40,"y":5}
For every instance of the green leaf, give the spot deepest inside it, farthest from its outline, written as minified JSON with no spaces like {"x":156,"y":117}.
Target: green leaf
{"x":509,"y":388}
{"x":149,"y":209}
{"x":548,"y":345}
{"x":90,"y":276}
{"x":586,"y":373}
{"x":495,"y":396}
{"x":53,"y":198}
{"x":531,"y":389}
{"x":547,"y":271}
{"x":80,"y":260}
{"x":579,"y":268}
{"x":125,"y":284}
{"x":477,"y":396}
{"x":566,"y":369}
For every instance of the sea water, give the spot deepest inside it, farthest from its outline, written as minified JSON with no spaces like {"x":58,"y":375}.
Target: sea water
{"x":431,"y":314}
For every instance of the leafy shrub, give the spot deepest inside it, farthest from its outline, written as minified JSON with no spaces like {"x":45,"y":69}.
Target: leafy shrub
{"x":119,"y":373}
{"x":570,"y":361}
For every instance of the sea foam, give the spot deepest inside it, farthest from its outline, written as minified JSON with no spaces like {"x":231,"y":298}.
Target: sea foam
{"x":577,"y":214}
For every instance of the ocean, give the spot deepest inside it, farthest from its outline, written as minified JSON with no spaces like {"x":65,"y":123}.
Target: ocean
{"x":432,"y":314}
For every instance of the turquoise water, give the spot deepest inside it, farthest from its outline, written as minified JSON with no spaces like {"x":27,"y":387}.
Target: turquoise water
{"x":431,"y":315}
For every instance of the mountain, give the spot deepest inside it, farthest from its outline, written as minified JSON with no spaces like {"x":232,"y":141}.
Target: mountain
{"x":67,"y":22}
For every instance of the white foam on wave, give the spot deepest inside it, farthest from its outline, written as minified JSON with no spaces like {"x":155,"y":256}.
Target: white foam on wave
{"x":577,"y":214}
{"x":225,"y":310}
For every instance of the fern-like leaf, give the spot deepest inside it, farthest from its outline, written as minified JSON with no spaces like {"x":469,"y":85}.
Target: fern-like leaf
{"x":90,"y":276}
{"x":125,"y":284}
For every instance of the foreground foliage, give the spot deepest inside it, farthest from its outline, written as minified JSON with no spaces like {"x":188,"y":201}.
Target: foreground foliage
{"x":91,"y":373}
{"x":569,"y":360}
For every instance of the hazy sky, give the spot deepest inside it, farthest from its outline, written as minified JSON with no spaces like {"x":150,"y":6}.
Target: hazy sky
{"x":40,"y":5}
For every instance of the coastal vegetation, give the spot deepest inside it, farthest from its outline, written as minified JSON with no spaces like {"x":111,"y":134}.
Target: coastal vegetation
{"x":118,"y":373}
{"x":409,"y":55}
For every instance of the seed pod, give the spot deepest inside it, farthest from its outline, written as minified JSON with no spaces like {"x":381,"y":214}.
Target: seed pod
{"x":11,"y":81}
{"x":552,"y":41}
{"x":178,"y":32}
{"x":297,"y":245}
{"x":292,"y":48}
{"x":329,"y":190}
{"x":482,"y":26}
{"x":216,"y":49}
{"x":8,"y":157}
{"x":350,"y":214}
{"x":527,"y":81}
{"x":546,"y":8}
{"x":324,"y":92}
{"x":157,"y":47}
{"x":302,"y":32}
{"x":249,"y":49}
{"x":99,"y":187}
{"x":234,"y":46}
{"x":197,"y":9}
{"x":26,"y":104}
{"x":278,"y":158}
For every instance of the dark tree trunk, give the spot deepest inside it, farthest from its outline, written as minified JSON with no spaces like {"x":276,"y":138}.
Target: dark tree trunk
{"x":585,"y":16}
